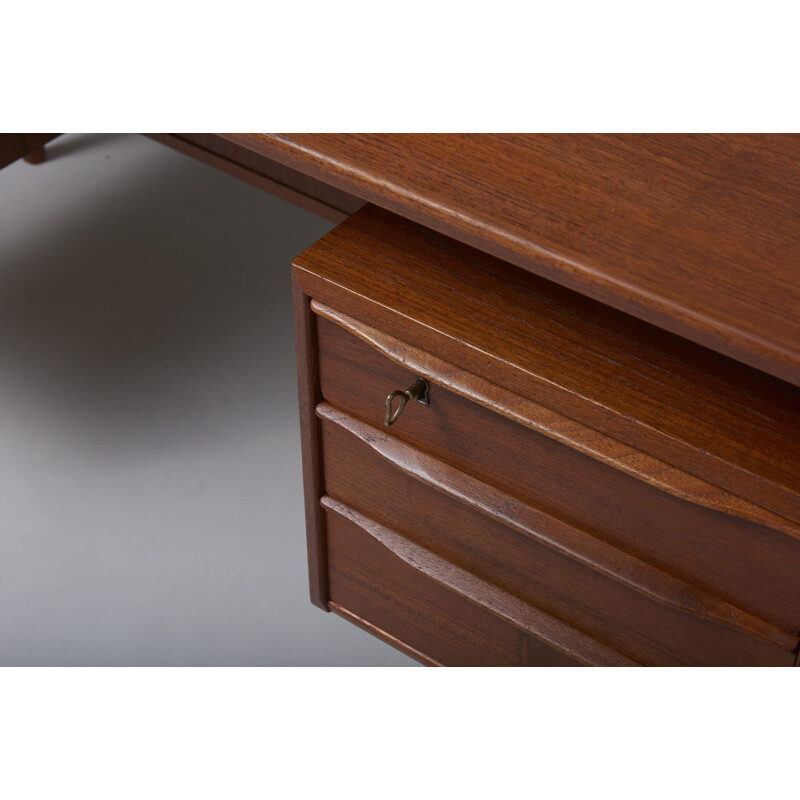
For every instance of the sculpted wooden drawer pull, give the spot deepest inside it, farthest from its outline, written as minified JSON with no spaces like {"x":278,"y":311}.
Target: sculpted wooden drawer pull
{"x":419,"y":391}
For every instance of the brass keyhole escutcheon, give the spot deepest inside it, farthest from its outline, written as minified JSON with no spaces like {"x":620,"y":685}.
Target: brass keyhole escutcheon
{"x":419,"y":391}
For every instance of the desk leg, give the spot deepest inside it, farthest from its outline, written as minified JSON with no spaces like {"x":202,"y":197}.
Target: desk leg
{"x":37,"y":156}
{"x":29,"y":146}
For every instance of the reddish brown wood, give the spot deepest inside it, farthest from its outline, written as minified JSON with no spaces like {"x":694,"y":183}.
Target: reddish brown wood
{"x":24,"y":145}
{"x":37,"y":156}
{"x":506,"y":544}
{"x":633,"y":486}
{"x":554,"y":425}
{"x":288,"y":184}
{"x":408,"y":591}
{"x":712,"y":417}
{"x":699,"y":234}
{"x":754,"y":568}
{"x":539,"y":558}
{"x":382,"y":634}
{"x":308,"y":396}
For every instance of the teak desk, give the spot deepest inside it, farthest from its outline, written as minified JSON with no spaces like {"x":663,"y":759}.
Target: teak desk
{"x":549,"y":389}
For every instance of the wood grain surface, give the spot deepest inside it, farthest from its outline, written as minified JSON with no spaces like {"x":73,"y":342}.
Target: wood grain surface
{"x":370,"y":470}
{"x":523,"y":411}
{"x":698,"y":234}
{"x":638,"y":488}
{"x":754,"y":567}
{"x":681,"y":404}
{"x":309,"y":394}
{"x":625,"y":601}
{"x":452,"y":616}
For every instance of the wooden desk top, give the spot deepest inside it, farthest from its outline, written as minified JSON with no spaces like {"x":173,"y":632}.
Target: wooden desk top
{"x":698,"y":234}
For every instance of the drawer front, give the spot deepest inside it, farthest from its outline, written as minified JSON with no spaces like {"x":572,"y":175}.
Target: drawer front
{"x":754,"y":569}
{"x":438,"y":508}
{"x":371,"y":581}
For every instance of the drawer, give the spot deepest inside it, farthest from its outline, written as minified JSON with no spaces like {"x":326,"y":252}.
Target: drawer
{"x":504,"y":543}
{"x":406,"y":595}
{"x":746,"y":565}
{"x":579,"y":481}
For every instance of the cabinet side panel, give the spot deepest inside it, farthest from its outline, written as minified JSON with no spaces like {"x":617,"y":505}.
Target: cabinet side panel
{"x":309,"y":395}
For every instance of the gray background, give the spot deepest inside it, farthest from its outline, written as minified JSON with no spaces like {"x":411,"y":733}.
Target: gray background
{"x":150,"y":485}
